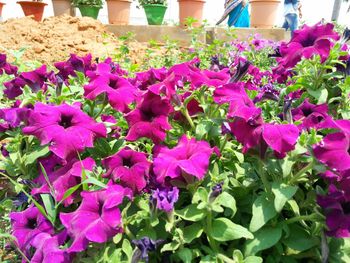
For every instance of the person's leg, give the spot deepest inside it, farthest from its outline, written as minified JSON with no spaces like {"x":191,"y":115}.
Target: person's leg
{"x":293,"y":22}
{"x":285,"y":24}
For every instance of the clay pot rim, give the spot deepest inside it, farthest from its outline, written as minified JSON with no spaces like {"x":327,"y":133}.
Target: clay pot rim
{"x":32,"y":2}
{"x":1,"y":3}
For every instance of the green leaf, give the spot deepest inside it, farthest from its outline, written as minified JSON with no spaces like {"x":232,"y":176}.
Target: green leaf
{"x":299,"y":239}
{"x":200,"y":195}
{"x":224,"y":229}
{"x":68,"y":193}
{"x":185,"y":255}
{"x":35,"y":155}
{"x":320,"y":94}
{"x":263,"y":210}
{"x":94,"y":181}
{"x":227,"y":200}
{"x":127,"y":249}
{"x":282,"y":193}
{"x":191,"y":213}
{"x":263,"y":239}
{"x":170,"y":246}
{"x":192,"y":232}
{"x":253,"y":259}
{"x":49,"y":206}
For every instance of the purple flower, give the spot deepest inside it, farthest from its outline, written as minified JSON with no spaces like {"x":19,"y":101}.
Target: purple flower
{"x":164,"y":199}
{"x":243,"y":66}
{"x":131,"y":168}
{"x":334,"y":151}
{"x":119,"y":91}
{"x":27,"y":224}
{"x":189,"y":157}
{"x":149,"y":119}
{"x":336,"y":205}
{"x":310,"y":115}
{"x":97,"y":219}
{"x":216,"y":190}
{"x":145,"y":79}
{"x":14,"y":116}
{"x":144,"y":245}
{"x":307,"y":42}
{"x":37,"y":78}
{"x":73,"y":64}
{"x":13,"y":88}
{"x":64,"y":178}
{"x":6,"y":67}
{"x":47,"y":249}
{"x":267,"y":92}
{"x":66,"y":128}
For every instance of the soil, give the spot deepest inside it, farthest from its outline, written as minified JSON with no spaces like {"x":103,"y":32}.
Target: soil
{"x":55,"y":38}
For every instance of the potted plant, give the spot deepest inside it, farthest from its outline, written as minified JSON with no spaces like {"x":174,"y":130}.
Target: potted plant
{"x":263,"y":13}
{"x":155,"y":10}
{"x":118,"y":11}
{"x":61,"y":7}
{"x":33,"y":8}
{"x":191,"y":8}
{"x":1,"y":6}
{"x":88,"y":8}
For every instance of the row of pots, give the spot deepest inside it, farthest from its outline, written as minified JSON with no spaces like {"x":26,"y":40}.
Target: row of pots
{"x":263,"y":12}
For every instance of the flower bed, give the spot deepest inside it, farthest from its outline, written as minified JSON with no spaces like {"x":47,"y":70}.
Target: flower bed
{"x":241,"y":157}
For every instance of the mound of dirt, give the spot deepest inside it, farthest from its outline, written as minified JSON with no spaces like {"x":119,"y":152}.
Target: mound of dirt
{"x":55,"y":38}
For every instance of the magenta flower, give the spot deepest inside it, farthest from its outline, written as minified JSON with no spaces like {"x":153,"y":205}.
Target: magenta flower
{"x":145,"y":79}
{"x":310,"y":115}
{"x":97,"y":219}
{"x":334,"y":151}
{"x":37,"y":78}
{"x":27,"y":224}
{"x":254,"y":133}
{"x":14,"y":116}
{"x":47,"y":249}
{"x":73,"y":64}
{"x":189,"y":157}
{"x":14,"y":88}
{"x":149,"y":119}
{"x":307,"y":42}
{"x":119,"y":91}
{"x":131,"y":168}
{"x":164,"y":199}
{"x":336,"y":205}
{"x":64,"y":178}
{"x":6,"y":67}
{"x":66,"y":128}
{"x":240,"y":104}
{"x":267,"y":92}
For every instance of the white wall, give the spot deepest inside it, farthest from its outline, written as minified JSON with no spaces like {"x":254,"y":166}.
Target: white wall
{"x":313,"y":11}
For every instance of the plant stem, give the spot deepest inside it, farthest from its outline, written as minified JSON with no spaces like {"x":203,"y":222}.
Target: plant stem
{"x":209,"y":230}
{"x":263,"y":177}
{"x":188,"y":117}
{"x":301,"y":218}
{"x":299,"y":174}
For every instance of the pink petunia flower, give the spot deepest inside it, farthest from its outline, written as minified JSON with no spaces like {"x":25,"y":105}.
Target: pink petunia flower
{"x":66,"y":128}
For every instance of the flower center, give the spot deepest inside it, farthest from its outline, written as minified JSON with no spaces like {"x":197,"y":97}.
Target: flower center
{"x":306,"y":112}
{"x":346,"y":207}
{"x":148,"y":115}
{"x":66,"y":121}
{"x":127,"y":162}
{"x":32,"y":223}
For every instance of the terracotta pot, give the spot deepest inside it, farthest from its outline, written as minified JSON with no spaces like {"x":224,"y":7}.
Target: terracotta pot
{"x":264,"y":13}
{"x":118,"y":11}
{"x":35,"y":9}
{"x":61,"y":7}
{"x":1,"y":6}
{"x":191,"y":8}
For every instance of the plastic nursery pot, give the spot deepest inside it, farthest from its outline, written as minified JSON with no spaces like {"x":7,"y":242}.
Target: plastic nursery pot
{"x":1,"y":6}
{"x":264,"y":13}
{"x":118,"y":11}
{"x":35,"y":9}
{"x":155,"y":13}
{"x":63,"y":7}
{"x":90,"y":11}
{"x":191,"y":8}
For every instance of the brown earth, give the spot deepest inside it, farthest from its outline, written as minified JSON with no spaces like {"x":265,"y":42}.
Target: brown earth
{"x":55,"y":38}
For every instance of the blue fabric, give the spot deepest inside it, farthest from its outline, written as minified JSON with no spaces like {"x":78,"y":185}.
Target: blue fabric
{"x":239,"y":17}
{"x":290,"y":22}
